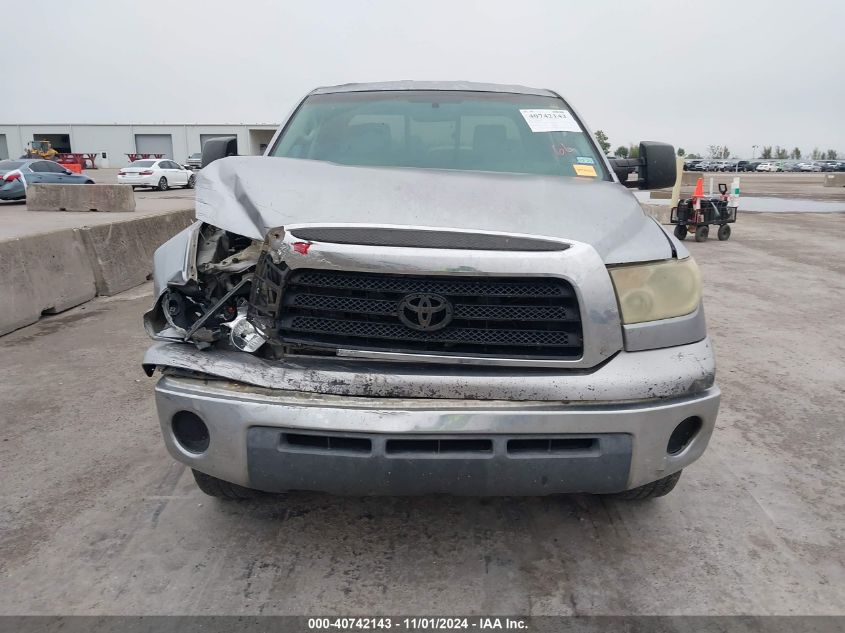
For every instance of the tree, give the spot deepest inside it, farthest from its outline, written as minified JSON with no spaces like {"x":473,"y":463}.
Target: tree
{"x":767,"y":151}
{"x":816,"y":153}
{"x":796,"y":153}
{"x":718,"y":151}
{"x":681,"y":152}
{"x":633,"y":151}
{"x":601,"y":137}
{"x":832,"y":154}
{"x":621,"y":151}
{"x":781,"y":152}
{"x":693,"y":155}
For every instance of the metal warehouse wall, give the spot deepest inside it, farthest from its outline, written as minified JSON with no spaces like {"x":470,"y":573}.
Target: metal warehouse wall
{"x":119,"y":140}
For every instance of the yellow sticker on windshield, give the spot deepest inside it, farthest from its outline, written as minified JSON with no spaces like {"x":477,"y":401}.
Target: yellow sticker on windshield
{"x":584,"y":170}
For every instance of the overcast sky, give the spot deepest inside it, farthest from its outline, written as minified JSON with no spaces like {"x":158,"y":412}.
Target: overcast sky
{"x":715,"y":72}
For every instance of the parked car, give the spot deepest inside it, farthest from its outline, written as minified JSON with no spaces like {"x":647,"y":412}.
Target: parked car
{"x":14,"y":172}
{"x":159,"y":174}
{"x":743,"y":165}
{"x":827,"y":165}
{"x":727,"y":165}
{"x":704,"y":165}
{"x":333,"y":323}
{"x":194,"y":161}
{"x":766,"y":167}
{"x":690,"y":163}
{"x":809,"y":167}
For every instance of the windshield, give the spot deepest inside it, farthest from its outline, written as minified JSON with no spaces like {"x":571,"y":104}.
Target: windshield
{"x":142,"y":163}
{"x":474,"y":131}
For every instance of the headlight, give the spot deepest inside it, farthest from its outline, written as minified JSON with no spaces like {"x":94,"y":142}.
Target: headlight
{"x":660,"y":290}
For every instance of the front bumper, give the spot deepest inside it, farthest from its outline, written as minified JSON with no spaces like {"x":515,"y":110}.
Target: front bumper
{"x":279,"y":439}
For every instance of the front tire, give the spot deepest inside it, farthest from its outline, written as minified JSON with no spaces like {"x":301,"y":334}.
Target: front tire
{"x":659,"y":488}
{"x":214,"y":487}
{"x":680,"y":231}
{"x":162,"y":184}
{"x":191,"y":182}
{"x":701,"y":233}
{"x":724,"y":232}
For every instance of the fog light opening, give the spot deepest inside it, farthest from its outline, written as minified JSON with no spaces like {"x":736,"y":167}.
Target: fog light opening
{"x":683,"y":435}
{"x":190,"y":431}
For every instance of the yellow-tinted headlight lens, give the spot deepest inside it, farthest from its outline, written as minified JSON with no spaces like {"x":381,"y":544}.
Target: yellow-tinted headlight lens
{"x":660,"y":290}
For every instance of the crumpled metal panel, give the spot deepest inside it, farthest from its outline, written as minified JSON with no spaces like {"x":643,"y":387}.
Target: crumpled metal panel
{"x":249,"y":195}
{"x":654,"y":374}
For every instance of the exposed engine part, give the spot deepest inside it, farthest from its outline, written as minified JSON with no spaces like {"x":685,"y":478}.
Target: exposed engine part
{"x":221,"y":251}
{"x":196,"y":308}
{"x":244,"y":335}
{"x":240,"y":261}
{"x":217,"y":306}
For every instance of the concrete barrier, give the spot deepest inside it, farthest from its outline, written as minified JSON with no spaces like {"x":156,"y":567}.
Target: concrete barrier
{"x":55,"y":271}
{"x":44,"y":273}
{"x":660,"y":212}
{"x":121,"y":253}
{"x":689,"y":178}
{"x":80,"y":198}
{"x":834,"y":180}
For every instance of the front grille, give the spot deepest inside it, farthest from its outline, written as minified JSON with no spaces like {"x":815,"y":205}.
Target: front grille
{"x":534,"y":317}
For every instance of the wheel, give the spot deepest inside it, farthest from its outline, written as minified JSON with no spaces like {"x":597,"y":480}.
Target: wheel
{"x":655,"y":489}
{"x":680,"y":231}
{"x":89,"y":182}
{"x":162,"y":184}
{"x":701,"y":233}
{"x":214,"y":487}
{"x":191,"y":182}
{"x":724,"y":232}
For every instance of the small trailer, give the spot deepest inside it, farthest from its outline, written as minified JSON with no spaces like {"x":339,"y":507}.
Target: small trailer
{"x":696,"y":215}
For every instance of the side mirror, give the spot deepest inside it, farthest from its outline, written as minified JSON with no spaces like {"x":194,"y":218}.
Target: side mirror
{"x":68,"y":172}
{"x":215,"y":148}
{"x":655,"y":167}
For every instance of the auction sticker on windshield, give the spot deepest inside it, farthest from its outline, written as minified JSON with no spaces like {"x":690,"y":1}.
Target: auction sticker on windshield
{"x":585,"y":170}
{"x":550,"y":121}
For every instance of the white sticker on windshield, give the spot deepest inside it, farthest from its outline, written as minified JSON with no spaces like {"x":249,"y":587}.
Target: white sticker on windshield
{"x":550,"y":121}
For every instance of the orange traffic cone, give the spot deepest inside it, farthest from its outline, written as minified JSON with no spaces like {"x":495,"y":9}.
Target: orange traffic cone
{"x":698,"y":194}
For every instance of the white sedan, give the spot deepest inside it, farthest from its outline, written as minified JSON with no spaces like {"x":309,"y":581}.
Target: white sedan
{"x":160,"y":174}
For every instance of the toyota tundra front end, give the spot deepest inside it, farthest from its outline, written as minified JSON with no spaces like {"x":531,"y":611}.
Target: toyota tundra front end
{"x":431,"y":288}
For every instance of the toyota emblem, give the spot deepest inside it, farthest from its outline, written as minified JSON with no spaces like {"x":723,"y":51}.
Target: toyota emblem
{"x":425,"y":312}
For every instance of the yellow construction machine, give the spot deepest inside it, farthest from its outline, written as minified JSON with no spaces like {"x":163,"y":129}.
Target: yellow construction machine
{"x":40,"y":149}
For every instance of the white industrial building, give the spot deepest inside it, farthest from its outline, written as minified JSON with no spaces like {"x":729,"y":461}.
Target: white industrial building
{"x":113,"y":142}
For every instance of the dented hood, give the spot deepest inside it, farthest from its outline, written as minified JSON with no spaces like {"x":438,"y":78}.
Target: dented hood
{"x":250,"y":195}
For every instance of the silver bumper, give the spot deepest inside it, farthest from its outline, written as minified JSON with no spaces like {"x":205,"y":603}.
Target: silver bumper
{"x":629,"y":406}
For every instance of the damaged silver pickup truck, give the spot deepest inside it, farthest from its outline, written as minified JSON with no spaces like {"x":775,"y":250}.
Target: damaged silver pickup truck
{"x":431,"y":288}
